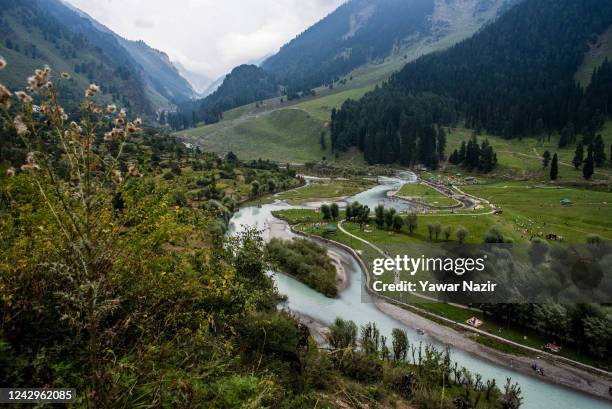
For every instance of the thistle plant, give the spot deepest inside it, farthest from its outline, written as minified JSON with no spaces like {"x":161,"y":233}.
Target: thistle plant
{"x":76,"y":175}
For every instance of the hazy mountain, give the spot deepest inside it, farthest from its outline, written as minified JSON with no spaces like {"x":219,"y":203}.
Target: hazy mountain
{"x":199,"y":82}
{"x":34,"y":33}
{"x":31,"y":36}
{"x":159,"y":74}
{"x":361,"y":31}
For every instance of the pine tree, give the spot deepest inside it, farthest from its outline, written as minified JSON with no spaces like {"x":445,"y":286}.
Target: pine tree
{"x":322,"y":141}
{"x":589,"y":164}
{"x":599,"y":152}
{"x":554,"y":168}
{"x":578,"y":156}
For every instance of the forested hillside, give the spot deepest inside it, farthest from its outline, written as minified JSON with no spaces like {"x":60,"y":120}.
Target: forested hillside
{"x":514,"y":78}
{"x":245,"y":84}
{"x":355,"y":33}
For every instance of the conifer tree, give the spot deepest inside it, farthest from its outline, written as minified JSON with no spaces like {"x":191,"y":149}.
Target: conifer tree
{"x":554,"y":168}
{"x":578,"y":156}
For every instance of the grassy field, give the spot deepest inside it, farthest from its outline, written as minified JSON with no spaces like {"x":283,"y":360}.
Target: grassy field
{"x":531,"y":209}
{"x":523,"y":158}
{"x":288,"y":135}
{"x":425,"y":194}
{"x":324,"y":190}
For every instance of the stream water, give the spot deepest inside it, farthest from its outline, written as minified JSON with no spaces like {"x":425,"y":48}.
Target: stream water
{"x":350,"y":304}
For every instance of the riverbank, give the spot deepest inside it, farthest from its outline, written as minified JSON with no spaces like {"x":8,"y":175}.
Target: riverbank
{"x":554,"y":371}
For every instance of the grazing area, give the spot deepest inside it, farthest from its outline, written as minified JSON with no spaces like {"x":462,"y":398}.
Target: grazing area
{"x":306,"y":261}
{"x":318,"y":190}
{"x":421,"y":193}
{"x":534,"y":210}
{"x":288,"y":135}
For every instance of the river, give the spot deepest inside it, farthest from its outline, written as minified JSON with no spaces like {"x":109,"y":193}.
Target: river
{"x":350,"y":305}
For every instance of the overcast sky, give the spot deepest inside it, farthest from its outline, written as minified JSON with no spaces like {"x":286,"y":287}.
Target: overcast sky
{"x":209,"y":36}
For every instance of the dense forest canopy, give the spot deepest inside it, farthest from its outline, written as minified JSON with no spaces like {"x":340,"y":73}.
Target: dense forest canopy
{"x":514,"y":78}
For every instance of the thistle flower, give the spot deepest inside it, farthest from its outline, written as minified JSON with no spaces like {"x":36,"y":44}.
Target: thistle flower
{"x":131,"y":128}
{"x":133,"y":171}
{"x":65,"y":75}
{"x":23,"y":97}
{"x":94,"y":88}
{"x":116,"y":176}
{"x":118,"y":132}
{"x":5,"y":97}
{"x":30,"y":163}
{"x":10,"y":172}
{"x":111,"y":109}
{"x":2,"y":63}
{"x":20,"y":127}
{"x":75,"y":127}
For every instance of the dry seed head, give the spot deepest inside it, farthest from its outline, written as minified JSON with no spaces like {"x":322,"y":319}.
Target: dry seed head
{"x":10,"y":172}
{"x":23,"y":97}
{"x":2,"y":63}
{"x":5,"y":97}
{"x":65,"y":75}
{"x":111,"y":109}
{"x":94,"y":88}
{"x":20,"y":127}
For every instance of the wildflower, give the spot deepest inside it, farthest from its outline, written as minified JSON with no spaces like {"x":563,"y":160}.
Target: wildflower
{"x":119,"y":121}
{"x":30,"y":163}
{"x":65,"y":75}
{"x":5,"y":97}
{"x":138,"y":122}
{"x":122,"y":113}
{"x":116,"y":176}
{"x":108,"y":136}
{"x":111,"y":108}
{"x":10,"y":172}
{"x":49,"y":85}
{"x":20,"y":126}
{"x":88,"y":93}
{"x":2,"y":63}
{"x":75,"y":127}
{"x":131,"y":128}
{"x":118,"y":132}
{"x":24,"y":97}
{"x":97,"y":110}
{"x":94,"y":88}
{"x":133,"y":171}
{"x":67,"y":134}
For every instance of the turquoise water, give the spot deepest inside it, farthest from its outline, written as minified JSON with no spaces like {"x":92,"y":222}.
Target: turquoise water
{"x":351,"y":305}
